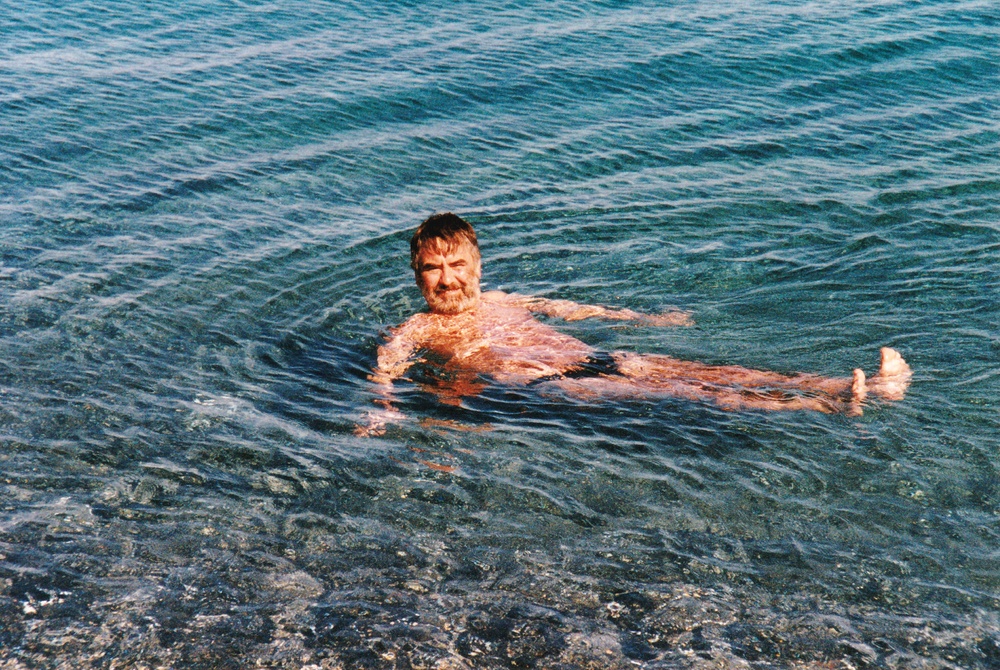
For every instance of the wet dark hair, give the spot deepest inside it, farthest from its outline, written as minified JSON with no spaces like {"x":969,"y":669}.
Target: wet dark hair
{"x":449,"y":229}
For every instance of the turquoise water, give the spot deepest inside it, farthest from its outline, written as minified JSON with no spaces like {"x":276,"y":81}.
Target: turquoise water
{"x":204,"y":219}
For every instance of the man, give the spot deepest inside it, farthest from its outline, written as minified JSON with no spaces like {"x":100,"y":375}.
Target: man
{"x":473,"y":334}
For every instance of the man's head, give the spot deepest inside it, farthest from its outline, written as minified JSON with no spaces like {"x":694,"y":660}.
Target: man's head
{"x":444,"y":254}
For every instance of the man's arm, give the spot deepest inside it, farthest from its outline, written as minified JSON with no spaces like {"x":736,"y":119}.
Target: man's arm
{"x":574,"y":311}
{"x":395,"y":357}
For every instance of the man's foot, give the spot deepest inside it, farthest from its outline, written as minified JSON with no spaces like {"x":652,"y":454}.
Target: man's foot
{"x":859,"y":390}
{"x":893,"y":377}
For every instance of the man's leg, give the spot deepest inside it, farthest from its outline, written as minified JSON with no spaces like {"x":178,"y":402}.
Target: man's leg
{"x":734,"y":387}
{"x":730,"y":397}
{"x":891,"y":382}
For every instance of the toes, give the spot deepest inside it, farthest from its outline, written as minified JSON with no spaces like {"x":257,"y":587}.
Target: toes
{"x":890,"y":357}
{"x":893,"y":378}
{"x":893,"y":364}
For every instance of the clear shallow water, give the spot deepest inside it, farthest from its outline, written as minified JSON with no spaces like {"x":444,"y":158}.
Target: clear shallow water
{"x":203,"y":228}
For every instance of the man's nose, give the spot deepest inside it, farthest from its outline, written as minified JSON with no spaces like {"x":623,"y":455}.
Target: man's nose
{"x":447,"y":276}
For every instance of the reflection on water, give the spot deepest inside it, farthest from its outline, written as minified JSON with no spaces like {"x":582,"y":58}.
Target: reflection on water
{"x":204,"y":229}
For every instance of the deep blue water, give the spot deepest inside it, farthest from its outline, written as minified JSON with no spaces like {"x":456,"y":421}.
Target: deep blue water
{"x":204,"y":220}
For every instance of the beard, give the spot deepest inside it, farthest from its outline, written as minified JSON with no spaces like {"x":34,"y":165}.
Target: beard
{"x":453,"y":302}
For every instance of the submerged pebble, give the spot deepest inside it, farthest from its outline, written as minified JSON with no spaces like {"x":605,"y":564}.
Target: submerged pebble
{"x":203,"y":228}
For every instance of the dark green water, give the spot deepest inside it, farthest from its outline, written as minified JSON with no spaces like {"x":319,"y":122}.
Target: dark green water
{"x":204,"y":222}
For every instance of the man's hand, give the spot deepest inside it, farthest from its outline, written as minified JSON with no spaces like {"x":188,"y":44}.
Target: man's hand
{"x":376,"y":420}
{"x":673,"y":318}
{"x":372,"y":429}
{"x":575,"y":312}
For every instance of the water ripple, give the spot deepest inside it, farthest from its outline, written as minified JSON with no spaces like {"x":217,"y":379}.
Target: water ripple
{"x":204,"y":228}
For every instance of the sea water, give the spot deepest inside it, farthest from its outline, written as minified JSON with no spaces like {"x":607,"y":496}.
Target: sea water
{"x":205,"y":210}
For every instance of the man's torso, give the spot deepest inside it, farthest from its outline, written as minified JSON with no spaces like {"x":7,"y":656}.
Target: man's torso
{"x":499,"y":339}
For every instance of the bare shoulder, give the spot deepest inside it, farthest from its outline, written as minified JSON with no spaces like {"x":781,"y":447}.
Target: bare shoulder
{"x":411,"y":327}
{"x":510,"y":299}
{"x":400,"y":342}
{"x":495,"y":296}
{"x":507,"y":301}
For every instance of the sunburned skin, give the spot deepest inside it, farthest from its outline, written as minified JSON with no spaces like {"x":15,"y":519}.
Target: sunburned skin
{"x":496,"y":335}
{"x":503,"y":340}
{"x":497,"y":338}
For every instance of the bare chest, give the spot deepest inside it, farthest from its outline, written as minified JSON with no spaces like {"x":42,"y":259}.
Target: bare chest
{"x":498,"y":340}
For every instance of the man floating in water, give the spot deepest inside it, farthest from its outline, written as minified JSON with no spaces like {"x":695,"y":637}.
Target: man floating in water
{"x":494,"y":334}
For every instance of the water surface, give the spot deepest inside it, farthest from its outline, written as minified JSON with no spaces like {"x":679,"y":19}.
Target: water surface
{"x":204,"y":224}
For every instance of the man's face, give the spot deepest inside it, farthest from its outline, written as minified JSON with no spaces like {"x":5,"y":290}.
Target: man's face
{"x":449,"y":277}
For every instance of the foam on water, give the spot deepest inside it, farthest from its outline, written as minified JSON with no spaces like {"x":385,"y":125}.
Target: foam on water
{"x":204,"y":218}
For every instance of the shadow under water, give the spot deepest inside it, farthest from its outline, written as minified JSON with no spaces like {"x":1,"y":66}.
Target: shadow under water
{"x":204,"y":218}
{"x":511,"y":530}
